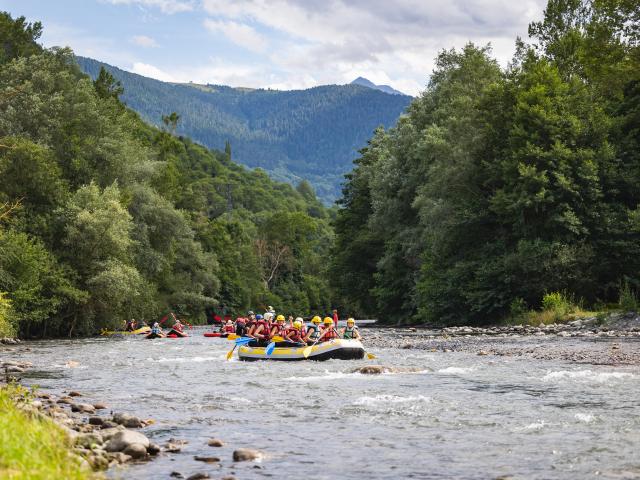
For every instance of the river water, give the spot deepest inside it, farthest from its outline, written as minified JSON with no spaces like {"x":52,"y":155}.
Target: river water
{"x":450,"y":415}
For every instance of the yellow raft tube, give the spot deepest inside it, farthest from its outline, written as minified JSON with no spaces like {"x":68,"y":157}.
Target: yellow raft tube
{"x":338,"y":348}
{"x":108,"y":333}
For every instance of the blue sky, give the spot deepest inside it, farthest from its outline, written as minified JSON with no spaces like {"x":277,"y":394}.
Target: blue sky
{"x":284,"y":44}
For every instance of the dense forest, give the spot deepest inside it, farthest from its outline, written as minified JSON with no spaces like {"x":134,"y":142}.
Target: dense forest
{"x":312,"y":134}
{"x":502,"y":185}
{"x":104,"y":217}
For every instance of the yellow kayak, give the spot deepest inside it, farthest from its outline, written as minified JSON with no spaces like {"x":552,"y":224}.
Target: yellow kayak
{"x":108,"y":333}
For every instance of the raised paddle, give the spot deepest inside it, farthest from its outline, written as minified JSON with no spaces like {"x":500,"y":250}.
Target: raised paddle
{"x":270,"y":348}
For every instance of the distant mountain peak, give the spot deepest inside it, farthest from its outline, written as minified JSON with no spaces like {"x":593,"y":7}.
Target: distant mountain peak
{"x":365,"y":82}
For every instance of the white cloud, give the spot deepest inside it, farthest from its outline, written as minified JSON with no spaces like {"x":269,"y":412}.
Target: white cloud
{"x":165,"y":6}
{"x":147,"y":70}
{"x":238,"y":33}
{"x":144,"y":41}
{"x":389,"y":42}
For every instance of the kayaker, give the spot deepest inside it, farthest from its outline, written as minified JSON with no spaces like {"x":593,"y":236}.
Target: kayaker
{"x":328,"y":331}
{"x":313,"y":331}
{"x":278,"y":328}
{"x":130,"y":325}
{"x":351,"y":332}
{"x":157,"y":330}
{"x":294,"y":333}
{"x":177,"y":327}
{"x":228,"y":327}
{"x":303,"y":329}
{"x":251,"y":324}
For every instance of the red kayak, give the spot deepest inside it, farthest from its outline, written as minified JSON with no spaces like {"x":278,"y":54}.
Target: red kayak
{"x":216,"y":334}
{"x":175,"y":334}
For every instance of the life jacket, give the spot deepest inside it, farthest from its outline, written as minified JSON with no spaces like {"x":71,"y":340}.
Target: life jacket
{"x":297,"y":337}
{"x":178,"y":327}
{"x":315,"y":332}
{"x":280,"y":329}
{"x":349,"y":333}
{"x":330,"y":335}
{"x":265,"y":328}
{"x":229,"y":329}
{"x":155,"y":330}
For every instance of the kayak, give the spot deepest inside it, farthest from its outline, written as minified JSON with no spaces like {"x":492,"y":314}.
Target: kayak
{"x":338,"y":349}
{"x":216,"y":334}
{"x":108,"y":333}
{"x":175,"y":334}
{"x":153,"y":335}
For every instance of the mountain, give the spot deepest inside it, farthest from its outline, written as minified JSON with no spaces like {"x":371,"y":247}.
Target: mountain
{"x":369,"y":84}
{"x":311,"y":134}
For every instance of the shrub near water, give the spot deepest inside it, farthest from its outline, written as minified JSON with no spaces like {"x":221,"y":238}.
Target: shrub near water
{"x":6,"y":327}
{"x":32,"y":448}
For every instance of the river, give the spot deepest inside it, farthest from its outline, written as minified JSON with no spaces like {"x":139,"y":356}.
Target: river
{"x":448,"y":415}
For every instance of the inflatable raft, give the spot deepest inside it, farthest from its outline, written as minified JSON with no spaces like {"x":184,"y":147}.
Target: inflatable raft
{"x":338,"y":349}
{"x":109,"y":333}
{"x":216,"y":334}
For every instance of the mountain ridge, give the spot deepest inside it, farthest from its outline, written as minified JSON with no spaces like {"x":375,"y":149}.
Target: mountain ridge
{"x":313,"y":134}
{"x":365,"y":82}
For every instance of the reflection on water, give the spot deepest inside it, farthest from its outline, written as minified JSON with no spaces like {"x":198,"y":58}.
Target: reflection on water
{"x":455,"y":416}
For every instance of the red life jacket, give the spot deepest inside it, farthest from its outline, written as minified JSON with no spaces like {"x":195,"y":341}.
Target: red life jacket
{"x":330,"y":335}
{"x":297,"y":334}
{"x":281,"y":329}
{"x":229,"y":329}
{"x":178,"y":327}
{"x":265,"y":328}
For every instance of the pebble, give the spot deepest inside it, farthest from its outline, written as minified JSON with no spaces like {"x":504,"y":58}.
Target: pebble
{"x":214,"y":442}
{"x":153,"y":449}
{"x":75,"y":394}
{"x":198,"y":476}
{"x":82,"y":408}
{"x":127,"y":420}
{"x":176,"y":475}
{"x":246,"y":455}
{"x":136,"y":450}
{"x":206,"y":459}
{"x":99,"y":406}
{"x":96,"y":421}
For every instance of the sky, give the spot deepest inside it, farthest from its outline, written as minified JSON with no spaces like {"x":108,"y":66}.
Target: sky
{"x":280,"y":44}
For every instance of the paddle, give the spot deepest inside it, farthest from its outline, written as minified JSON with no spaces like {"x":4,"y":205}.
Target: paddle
{"x":270,"y":348}
{"x":239,"y":341}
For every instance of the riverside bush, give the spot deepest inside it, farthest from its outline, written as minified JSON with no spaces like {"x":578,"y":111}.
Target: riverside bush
{"x":6,"y":326}
{"x":628,"y":299}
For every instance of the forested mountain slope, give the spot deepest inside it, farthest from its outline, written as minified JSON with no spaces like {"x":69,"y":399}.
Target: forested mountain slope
{"x":104,"y":217}
{"x":309,"y":134}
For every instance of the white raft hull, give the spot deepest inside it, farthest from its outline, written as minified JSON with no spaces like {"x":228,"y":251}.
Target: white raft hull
{"x":334,"y":349}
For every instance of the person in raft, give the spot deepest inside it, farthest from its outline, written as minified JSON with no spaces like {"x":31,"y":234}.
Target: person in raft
{"x":313,"y":331}
{"x":351,"y":332}
{"x":278,"y":328}
{"x":241,"y":326}
{"x":294,"y":333}
{"x":260,"y":330}
{"x":157,"y":330}
{"x":329,"y":331}
{"x":130,"y":325}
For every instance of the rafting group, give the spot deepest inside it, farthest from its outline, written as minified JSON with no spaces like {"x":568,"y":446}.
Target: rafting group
{"x":271,"y":336}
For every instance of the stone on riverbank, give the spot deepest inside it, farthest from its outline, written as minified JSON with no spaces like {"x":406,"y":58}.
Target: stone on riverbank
{"x":82,"y":408}
{"x":204,"y":459}
{"x":127,"y":420}
{"x":136,"y":450}
{"x":89,"y":440}
{"x":99,"y":406}
{"x":246,"y":455}
{"x":214,"y":442}
{"x":198,"y":476}
{"x":124,"y":438}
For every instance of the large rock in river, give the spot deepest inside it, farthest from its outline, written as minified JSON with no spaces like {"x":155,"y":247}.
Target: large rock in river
{"x":125,"y":438}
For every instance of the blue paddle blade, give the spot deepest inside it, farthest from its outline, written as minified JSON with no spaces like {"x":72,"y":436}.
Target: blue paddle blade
{"x":243,"y":340}
{"x":270,"y":347}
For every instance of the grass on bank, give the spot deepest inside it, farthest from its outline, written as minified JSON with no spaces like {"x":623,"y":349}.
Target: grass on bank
{"x":33,"y":448}
{"x":561,"y":307}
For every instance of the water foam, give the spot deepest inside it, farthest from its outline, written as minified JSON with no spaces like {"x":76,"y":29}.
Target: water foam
{"x":584,"y":417}
{"x":456,"y":370}
{"x":585,"y":375}
{"x":391,"y":399}
{"x":185,"y":360}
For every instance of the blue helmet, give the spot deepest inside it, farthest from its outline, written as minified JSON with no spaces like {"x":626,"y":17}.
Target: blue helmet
{"x":258,"y":317}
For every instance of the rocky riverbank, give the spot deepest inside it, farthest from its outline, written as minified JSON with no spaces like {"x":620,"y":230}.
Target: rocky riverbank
{"x":104,"y":439}
{"x":613,"y":341}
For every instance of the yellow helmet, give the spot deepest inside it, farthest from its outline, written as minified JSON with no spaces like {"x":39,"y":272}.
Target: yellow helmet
{"x":328,"y":321}
{"x":297,"y":325}
{"x":316,"y":320}
{"x":350,"y":320}
{"x":280,"y":318}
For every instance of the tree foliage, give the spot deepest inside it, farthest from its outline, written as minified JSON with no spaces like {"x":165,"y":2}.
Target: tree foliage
{"x":502,"y":185}
{"x":118,"y":219}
